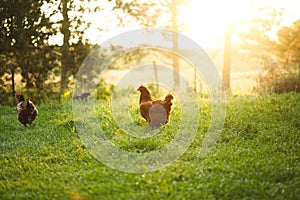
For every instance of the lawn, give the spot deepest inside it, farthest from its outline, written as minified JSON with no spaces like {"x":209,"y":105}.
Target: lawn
{"x":255,"y":157}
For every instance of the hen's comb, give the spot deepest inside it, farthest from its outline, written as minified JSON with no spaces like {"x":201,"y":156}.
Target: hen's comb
{"x":18,"y":94}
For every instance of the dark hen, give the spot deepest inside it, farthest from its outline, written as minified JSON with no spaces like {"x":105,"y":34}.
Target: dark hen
{"x":26,"y":110}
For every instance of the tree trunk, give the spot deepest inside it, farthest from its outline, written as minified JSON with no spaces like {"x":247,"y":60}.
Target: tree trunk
{"x":65,"y":56}
{"x":227,"y":58}
{"x":175,"y":44}
{"x":13,"y":84}
{"x":156,"y":76}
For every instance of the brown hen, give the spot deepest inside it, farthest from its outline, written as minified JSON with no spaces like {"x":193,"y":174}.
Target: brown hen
{"x":156,"y":112}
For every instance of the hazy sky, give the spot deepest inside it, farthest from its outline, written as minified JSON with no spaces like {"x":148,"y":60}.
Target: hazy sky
{"x":206,"y":19}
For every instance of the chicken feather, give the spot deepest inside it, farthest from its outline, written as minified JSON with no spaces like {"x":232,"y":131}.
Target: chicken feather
{"x":156,"y":112}
{"x":26,"y":110}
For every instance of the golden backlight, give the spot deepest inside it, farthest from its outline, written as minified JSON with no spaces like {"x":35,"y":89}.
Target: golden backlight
{"x":204,"y":21}
{"x":208,"y":19}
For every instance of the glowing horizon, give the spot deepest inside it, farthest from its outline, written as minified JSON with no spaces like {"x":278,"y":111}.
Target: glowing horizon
{"x":209,"y":18}
{"x":206,"y":19}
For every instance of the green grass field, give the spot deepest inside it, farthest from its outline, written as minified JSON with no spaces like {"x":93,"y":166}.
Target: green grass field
{"x":256,"y":156}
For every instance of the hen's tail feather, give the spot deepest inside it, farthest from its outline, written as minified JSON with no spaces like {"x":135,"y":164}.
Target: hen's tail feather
{"x":169,"y":98}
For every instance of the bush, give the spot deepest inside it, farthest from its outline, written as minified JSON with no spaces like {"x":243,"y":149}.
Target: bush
{"x":104,"y":90}
{"x":279,"y":81}
{"x":48,"y":93}
{"x":6,"y":98}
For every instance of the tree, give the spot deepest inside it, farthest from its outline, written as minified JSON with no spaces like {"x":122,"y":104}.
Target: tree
{"x":279,"y":55}
{"x":171,"y":10}
{"x":7,"y":74}
{"x":175,"y":42}
{"x":256,"y":37}
{"x":65,"y":56}
{"x":288,"y":47}
{"x":24,"y":30}
{"x":145,"y":13}
{"x":73,"y":27}
{"x":227,"y":58}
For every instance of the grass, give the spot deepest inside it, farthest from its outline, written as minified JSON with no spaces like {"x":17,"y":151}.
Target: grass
{"x":256,"y":156}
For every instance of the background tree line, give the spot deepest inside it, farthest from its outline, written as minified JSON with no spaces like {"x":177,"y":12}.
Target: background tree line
{"x":46,"y":69}
{"x":27,"y":25}
{"x":280,"y":56}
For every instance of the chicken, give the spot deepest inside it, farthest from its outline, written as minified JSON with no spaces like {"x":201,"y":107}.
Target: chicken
{"x":156,"y":112}
{"x":26,"y":110}
{"x":83,"y":96}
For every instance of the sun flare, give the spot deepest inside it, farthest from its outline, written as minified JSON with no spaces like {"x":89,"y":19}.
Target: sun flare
{"x":207,"y":19}
{"x":204,"y":20}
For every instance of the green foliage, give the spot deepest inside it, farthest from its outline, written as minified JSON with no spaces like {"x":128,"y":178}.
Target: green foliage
{"x":104,"y":90}
{"x":118,"y":127}
{"x":288,"y":47}
{"x":279,"y":82}
{"x":280,"y":57}
{"x":24,"y":30}
{"x":6,"y":98}
{"x":145,"y":13}
{"x":255,"y":36}
{"x":285,"y":75}
{"x":156,"y":91}
{"x":27,"y":25}
{"x":256,"y":157}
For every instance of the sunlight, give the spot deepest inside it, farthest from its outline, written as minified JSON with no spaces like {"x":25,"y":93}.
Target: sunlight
{"x":208,"y":19}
